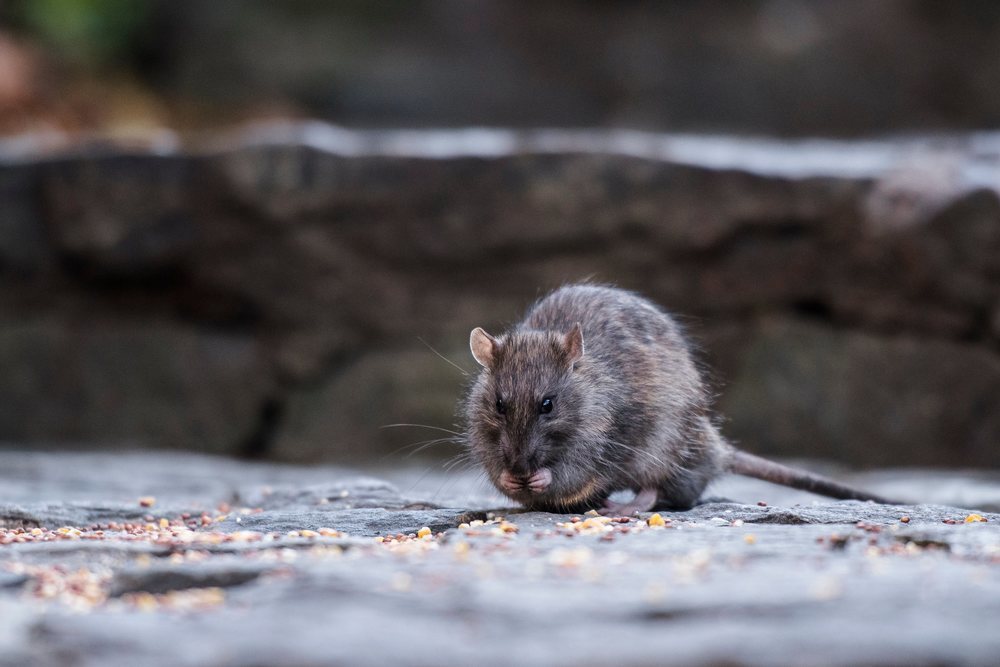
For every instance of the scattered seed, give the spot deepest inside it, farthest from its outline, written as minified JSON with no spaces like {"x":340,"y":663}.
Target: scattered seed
{"x":839,"y":542}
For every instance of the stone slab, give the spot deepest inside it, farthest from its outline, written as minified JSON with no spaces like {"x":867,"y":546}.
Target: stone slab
{"x":794,"y":580}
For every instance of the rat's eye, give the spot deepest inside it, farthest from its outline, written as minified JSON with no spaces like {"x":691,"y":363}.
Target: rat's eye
{"x":545,"y":407}
{"x":501,"y":406}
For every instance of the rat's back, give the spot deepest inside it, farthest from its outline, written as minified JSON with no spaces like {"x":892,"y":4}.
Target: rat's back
{"x":617,"y":324}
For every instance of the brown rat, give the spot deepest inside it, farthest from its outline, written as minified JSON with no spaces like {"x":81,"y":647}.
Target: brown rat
{"x":594,"y":392}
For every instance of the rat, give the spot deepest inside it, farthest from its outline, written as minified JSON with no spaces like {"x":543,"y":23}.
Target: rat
{"x":597,"y":391}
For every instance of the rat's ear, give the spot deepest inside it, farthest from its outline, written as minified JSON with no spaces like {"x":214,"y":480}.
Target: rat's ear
{"x":574,"y":343}
{"x":483,"y":347}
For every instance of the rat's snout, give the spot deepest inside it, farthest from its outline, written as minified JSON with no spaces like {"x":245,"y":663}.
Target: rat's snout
{"x":536,"y":482}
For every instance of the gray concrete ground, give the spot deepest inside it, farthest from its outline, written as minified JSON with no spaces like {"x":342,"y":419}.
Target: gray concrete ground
{"x":140,"y":559}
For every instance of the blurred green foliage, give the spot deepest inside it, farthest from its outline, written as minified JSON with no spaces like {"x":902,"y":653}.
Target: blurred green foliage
{"x":91,"y":33}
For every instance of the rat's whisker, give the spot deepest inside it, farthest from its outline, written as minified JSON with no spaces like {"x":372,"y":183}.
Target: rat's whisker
{"x":436,"y":428}
{"x":431,"y":348}
{"x":420,"y":446}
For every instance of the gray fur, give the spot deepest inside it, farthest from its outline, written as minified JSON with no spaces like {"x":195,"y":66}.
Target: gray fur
{"x":631,"y":413}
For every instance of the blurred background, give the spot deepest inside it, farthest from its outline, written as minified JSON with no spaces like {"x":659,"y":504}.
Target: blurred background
{"x":241,"y":227}
{"x":774,"y":67}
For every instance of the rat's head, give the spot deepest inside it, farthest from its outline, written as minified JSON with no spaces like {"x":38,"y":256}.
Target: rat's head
{"x":523,"y":415}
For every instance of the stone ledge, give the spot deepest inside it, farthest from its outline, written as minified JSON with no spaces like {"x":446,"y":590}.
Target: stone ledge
{"x":306,"y":583}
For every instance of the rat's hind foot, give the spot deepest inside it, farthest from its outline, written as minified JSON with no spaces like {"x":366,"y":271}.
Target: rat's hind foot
{"x":643,"y":502}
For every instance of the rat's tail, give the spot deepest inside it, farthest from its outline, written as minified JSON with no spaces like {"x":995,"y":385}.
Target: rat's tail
{"x":742,"y":463}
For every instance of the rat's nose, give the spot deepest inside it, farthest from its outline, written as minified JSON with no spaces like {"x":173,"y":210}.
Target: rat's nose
{"x":540,"y":480}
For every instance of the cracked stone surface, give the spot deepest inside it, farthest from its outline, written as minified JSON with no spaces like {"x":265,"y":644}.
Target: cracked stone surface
{"x":234,"y":563}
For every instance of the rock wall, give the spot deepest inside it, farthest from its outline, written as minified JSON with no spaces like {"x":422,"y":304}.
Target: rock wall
{"x":277,"y":293}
